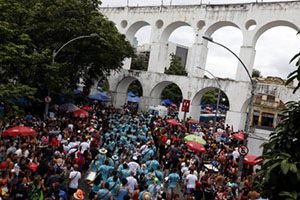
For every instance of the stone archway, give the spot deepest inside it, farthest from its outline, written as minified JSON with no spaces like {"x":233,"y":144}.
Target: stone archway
{"x":196,"y":100}
{"x":157,"y":90}
{"x":270,"y":25}
{"x":121,"y":93}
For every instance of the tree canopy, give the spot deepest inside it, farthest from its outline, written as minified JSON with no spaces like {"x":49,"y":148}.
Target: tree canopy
{"x":256,"y":73}
{"x":140,"y":62}
{"x":31,"y":30}
{"x":176,"y":67}
{"x":211,"y":97}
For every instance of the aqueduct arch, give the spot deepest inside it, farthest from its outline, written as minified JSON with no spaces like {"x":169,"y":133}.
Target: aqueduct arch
{"x":205,"y":19}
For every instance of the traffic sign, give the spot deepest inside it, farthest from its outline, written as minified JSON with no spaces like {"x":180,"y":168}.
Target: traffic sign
{"x":185,"y":105}
{"x":243,"y":150}
{"x":47,"y":99}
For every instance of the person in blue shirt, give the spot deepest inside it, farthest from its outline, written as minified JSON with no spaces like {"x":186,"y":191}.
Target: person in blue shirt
{"x":122,"y":190}
{"x":113,"y":185}
{"x":96,"y":186}
{"x":143,"y":169}
{"x":104,"y":194}
{"x":59,"y":193}
{"x":148,"y":153}
{"x":172,"y":179}
{"x":152,"y":164}
{"x":149,"y":177}
{"x":105,"y":169}
{"x":102,"y":156}
{"x":125,"y":171}
{"x":159,"y":175}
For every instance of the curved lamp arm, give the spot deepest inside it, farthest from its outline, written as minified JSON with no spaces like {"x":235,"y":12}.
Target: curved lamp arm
{"x":210,"y":39}
{"x":77,"y":38}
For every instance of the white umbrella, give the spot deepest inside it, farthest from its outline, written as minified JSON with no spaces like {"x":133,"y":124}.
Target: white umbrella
{"x":68,"y":107}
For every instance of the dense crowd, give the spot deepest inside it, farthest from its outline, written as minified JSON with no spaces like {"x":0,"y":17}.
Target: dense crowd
{"x":115,"y":154}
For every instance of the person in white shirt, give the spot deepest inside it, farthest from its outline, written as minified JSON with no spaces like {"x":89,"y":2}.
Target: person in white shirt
{"x":84,"y":145}
{"x":191,"y":180}
{"x":74,"y":179}
{"x":134,"y":166}
{"x":235,"y":154}
{"x":131,"y":182}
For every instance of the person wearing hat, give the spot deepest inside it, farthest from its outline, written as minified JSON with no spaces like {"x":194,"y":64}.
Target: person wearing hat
{"x":146,"y":196}
{"x":102,"y":155}
{"x":133,"y":165}
{"x":115,"y":158}
{"x":154,"y":188}
{"x":143,"y":169}
{"x":158,"y":174}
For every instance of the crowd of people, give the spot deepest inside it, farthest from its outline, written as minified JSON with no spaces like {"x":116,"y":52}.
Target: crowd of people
{"x":114,"y":154}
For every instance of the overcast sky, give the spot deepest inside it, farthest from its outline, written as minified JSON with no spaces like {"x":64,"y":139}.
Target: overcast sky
{"x":274,"y":48}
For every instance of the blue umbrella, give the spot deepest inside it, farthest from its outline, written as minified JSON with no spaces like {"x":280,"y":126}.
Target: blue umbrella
{"x":99,"y":96}
{"x":133,"y":99}
{"x":131,"y":94}
{"x":167,"y":101}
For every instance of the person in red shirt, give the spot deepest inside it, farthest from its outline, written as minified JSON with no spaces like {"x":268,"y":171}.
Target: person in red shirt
{"x":79,"y":160}
{"x":55,"y":142}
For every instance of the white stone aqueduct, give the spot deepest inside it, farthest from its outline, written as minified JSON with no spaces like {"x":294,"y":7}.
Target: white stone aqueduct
{"x":205,"y":20}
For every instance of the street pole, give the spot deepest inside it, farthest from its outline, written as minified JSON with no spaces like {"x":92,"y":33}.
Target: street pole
{"x":54,"y":54}
{"x":218,"y":99}
{"x":247,"y":125}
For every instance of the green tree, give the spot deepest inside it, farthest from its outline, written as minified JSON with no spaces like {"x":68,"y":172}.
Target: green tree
{"x":256,"y":73}
{"x":175,"y":66}
{"x":136,"y":88}
{"x":14,"y":98}
{"x":140,"y":62}
{"x":31,"y":29}
{"x":279,"y":176}
{"x":173,"y":93}
{"x":104,"y":84}
{"x":295,"y":75}
{"x":280,"y":169}
{"x":211,"y":97}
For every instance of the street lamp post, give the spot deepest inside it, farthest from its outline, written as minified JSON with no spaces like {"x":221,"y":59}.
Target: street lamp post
{"x":253,"y":87}
{"x":54,"y":54}
{"x":218,"y":100}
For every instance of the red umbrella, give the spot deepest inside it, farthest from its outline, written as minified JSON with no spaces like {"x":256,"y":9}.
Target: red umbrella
{"x":87,"y":108}
{"x":19,"y":130}
{"x":173,"y":122}
{"x":251,"y":160}
{"x":80,"y":113}
{"x":195,"y":146}
{"x":173,"y":105}
{"x":191,"y":121}
{"x":238,"y":136}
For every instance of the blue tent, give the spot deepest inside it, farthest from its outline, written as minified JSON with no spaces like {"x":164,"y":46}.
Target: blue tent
{"x":133,"y":99}
{"x":131,"y":94}
{"x":167,"y":101}
{"x":77,"y":91}
{"x":99,"y":96}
